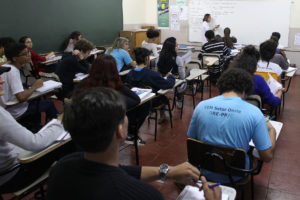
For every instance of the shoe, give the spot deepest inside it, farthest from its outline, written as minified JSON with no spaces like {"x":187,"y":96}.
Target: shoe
{"x":162,"y":119}
{"x":179,"y":104}
{"x":141,"y":142}
{"x":130,"y":140}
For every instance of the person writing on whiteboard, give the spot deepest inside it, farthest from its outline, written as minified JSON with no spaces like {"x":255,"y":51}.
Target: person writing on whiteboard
{"x":206,"y":27}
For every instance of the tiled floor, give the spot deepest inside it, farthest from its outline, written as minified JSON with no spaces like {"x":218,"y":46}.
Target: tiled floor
{"x":279,"y":179}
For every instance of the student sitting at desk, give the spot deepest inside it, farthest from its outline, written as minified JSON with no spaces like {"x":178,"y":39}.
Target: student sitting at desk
{"x":97,"y":123}
{"x":4,"y":41}
{"x":267,"y":51}
{"x":143,"y":76}
{"x":229,"y":121}
{"x":280,"y":58}
{"x":150,"y":44}
{"x":104,"y":73}
{"x":227,"y":39}
{"x":14,"y":138}
{"x":35,"y":58}
{"x":72,"y":64}
{"x":69,"y":44}
{"x":247,"y":60}
{"x":119,"y":51}
{"x":19,"y":55}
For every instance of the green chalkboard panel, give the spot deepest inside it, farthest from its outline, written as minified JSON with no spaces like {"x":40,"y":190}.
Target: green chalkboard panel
{"x":49,"y":22}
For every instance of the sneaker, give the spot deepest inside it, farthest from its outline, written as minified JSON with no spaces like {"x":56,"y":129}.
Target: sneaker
{"x":141,"y":142}
{"x":130,"y":140}
{"x":179,"y":104}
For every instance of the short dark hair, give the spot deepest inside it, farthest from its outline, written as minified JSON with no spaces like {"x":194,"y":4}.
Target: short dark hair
{"x":276,"y":34}
{"x":84,"y":45}
{"x":141,"y":54}
{"x":247,"y":59}
{"x":23,"y":39}
{"x":237,"y":80}
{"x":75,"y":35}
{"x":267,"y":50}
{"x":152,"y":33}
{"x":13,"y":50}
{"x":4,"y":41}
{"x":92,"y":118}
{"x":209,"y":34}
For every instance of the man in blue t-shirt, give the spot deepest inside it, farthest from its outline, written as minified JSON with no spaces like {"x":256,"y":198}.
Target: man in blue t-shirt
{"x":228,"y":120}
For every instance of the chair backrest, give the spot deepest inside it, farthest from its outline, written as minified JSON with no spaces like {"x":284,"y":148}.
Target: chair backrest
{"x":215,"y":158}
{"x":254,"y":100}
{"x":265,"y":75}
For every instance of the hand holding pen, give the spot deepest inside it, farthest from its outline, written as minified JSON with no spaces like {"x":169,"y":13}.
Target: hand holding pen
{"x":211,"y":192}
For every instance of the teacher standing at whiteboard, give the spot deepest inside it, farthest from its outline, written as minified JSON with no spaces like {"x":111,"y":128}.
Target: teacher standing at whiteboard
{"x":206,"y":27}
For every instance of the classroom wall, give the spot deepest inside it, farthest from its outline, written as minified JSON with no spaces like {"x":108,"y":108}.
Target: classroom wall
{"x":148,"y":16}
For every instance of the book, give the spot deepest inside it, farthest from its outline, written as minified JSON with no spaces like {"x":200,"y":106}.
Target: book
{"x":273,"y":84}
{"x":141,"y":92}
{"x":49,"y":85}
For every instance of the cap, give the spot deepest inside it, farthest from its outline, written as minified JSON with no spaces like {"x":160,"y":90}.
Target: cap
{"x":4,"y":69}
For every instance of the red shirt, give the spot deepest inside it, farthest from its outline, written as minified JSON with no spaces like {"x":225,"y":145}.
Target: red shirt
{"x":36,"y":60}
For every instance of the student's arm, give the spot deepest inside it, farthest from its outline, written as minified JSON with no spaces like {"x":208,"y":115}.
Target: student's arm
{"x":184,"y":173}
{"x":159,"y":82}
{"x":131,"y":98}
{"x":36,"y":58}
{"x":49,"y":55}
{"x":181,"y":67}
{"x":23,"y":96}
{"x":267,"y":155}
{"x":127,"y":59}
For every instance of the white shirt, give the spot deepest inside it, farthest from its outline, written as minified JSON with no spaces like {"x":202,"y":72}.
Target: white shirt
{"x":263,"y":66}
{"x":12,"y":86}
{"x":70,"y":46}
{"x":151,"y":47}
{"x":205,"y":27}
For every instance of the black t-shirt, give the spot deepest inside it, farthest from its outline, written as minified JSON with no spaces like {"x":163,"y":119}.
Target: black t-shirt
{"x":74,"y":177}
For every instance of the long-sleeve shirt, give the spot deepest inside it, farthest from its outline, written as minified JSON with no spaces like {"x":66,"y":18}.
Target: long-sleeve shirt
{"x":14,"y":138}
{"x":148,"y":77}
{"x":263,"y":90}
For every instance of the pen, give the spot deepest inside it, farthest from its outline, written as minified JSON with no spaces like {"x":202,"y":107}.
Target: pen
{"x":271,"y":118}
{"x":211,"y":186}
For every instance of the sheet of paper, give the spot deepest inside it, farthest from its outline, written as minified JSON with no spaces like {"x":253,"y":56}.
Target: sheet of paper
{"x":141,"y":92}
{"x":183,"y":13}
{"x":297,"y":39}
{"x":193,"y":193}
{"x":174,"y":11}
{"x":49,"y":85}
{"x":273,"y":84}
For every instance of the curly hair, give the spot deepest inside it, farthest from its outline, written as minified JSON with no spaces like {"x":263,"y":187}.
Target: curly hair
{"x":267,"y":50}
{"x":152,"y":33}
{"x":247,"y":59}
{"x":237,"y":80}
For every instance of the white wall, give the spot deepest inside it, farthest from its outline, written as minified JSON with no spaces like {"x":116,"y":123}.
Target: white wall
{"x":134,"y":11}
{"x":295,"y":14}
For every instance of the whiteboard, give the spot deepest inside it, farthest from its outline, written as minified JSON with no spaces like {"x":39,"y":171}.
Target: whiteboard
{"x":250,"y":21}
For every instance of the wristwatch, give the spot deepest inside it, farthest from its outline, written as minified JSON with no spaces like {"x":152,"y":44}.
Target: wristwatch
{"x":163,"y":170}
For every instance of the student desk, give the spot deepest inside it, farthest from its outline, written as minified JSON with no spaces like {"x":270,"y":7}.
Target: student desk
{"x":177,"y":83}
{"x":34,"y":95}
{"x":79,"y":77}
{"x":210,"y":60}
{"x":277,"y":126}
{"x":53,"y":60}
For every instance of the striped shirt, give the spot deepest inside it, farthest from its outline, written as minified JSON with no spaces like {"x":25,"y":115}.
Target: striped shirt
{"x":215,"y":46}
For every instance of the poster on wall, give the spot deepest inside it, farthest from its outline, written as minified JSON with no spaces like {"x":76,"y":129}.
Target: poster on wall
{"x":163,"y":13}
{"x":174,"y":13}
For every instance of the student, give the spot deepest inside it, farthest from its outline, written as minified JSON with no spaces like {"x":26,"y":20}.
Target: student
{"x":104,"y":73}
{"x":247,"y":60}
{"x":280,"y":58}
{"x":73,"y":64}
{"x":18,"y":55}
{"x":14,"y":139}
{"x":69,"y":43}
{"x":267,"y":51}
{"x":206,"y":27}
{"x":119,"y":51}
{"x":4,"y":41}
{"x":95,"y":173}
{"x":214,"y":46}
{"x":227,"y":120}
{"x":169,"y":61}
{"x":150,"y":44}
{"x":227,"y":39}
{"x":143,"y":76}
{"x":35,"y":58}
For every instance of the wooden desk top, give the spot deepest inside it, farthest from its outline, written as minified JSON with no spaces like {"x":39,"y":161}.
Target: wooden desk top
{"x":28,"y":156}
{"x":177,"y":83}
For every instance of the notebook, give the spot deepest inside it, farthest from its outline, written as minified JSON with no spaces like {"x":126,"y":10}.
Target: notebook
{"x":193,"y":193}
{"x":49,"y":85}
{"x":141,"y":92}
{"x":64,"y":135}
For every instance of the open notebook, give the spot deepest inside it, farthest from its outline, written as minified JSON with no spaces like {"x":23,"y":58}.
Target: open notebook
{"x":49,"y":85}
{"x":64,"y":135}
{"x":141,"y":92}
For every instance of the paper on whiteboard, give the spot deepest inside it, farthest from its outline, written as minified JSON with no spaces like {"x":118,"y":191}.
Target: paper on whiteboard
{"x":297,"y":39}
{"x":183,"y":13}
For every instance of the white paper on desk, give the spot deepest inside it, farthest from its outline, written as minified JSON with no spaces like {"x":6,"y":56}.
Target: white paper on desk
{"x":81,"y":76}
{"x":93,"y":52}
{"x":187,"y":57}
{"x":141,"y":92}
{"x":273,"y":84}
{"x":64,"y":135}
{"x":193,"y":193}
{"x":290,"y":69}
{"x":49,"y":85}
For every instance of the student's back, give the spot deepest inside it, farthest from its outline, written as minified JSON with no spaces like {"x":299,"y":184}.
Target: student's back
{"x":74,"y":177}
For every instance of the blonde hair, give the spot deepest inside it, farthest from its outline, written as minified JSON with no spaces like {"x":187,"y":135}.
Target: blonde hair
{"x":118,"y":44}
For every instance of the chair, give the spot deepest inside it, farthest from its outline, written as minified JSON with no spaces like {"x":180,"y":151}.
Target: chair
{"x":254,"y":100}
{"x":224,"y":160}
{"x":28,"y":71}
{"x":214,"y":63}
{"x":265,"y":75}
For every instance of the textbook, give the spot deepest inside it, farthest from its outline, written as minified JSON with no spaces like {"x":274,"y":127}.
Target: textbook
{"x":49,"y":85}
{"x":141,"y":92}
